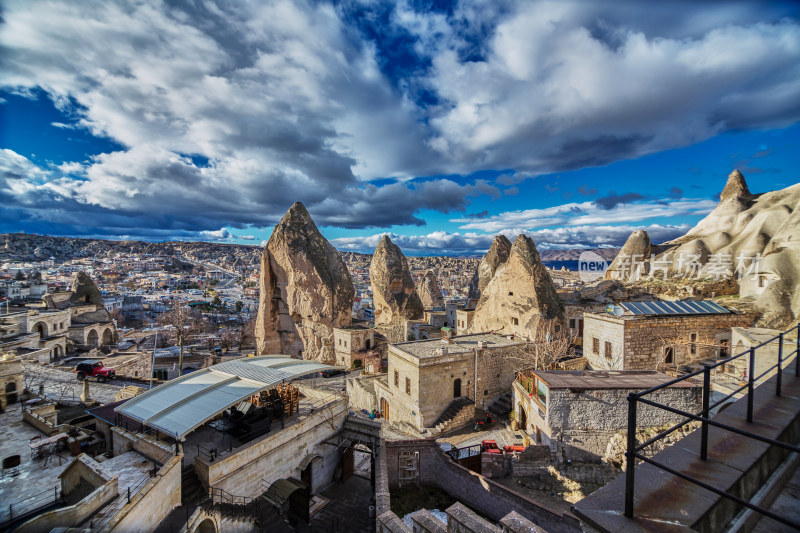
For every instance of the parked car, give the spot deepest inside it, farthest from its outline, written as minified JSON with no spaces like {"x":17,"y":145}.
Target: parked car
{"x":94,"y":369}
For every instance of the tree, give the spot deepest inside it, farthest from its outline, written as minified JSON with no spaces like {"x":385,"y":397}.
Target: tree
{"x":182,"y":323}
{"x":239,"y":306}
{"x":544,"y":349}
{"x":19,"y":276}
{"x":216,"y":301}
{"x":247,"y":333}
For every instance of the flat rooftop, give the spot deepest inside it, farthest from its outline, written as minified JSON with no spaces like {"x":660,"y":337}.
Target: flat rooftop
{"x":459,"y":344}
{"x":606,"y":379}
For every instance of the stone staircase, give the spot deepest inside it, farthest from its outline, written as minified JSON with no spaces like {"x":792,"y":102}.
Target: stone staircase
{"x":461,"y":411}
{"x":501,"y":406}
{"x":192,"y":491}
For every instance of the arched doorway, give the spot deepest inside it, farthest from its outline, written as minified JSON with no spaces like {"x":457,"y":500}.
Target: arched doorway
{"x":92,"y":339}
{"x":384,"y":409}
{"x":41,"y":329}
{"x":457,"y":388}
{"x":108,"y":337}
{"x":368,"y":344}
{"x":523,"y":418}
{"x":206,"y":526}
{"x":11,"y":392}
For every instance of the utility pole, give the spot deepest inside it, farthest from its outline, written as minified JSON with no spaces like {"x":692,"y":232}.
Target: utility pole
{"x":153,"y":364}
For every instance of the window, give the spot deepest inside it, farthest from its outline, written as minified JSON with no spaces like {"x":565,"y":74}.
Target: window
{"x":408,"y":385}
{"x":571,"y":323}
{"x":762,"y":282}
{"x":511,"y":294}
{"x":396,"y":379}
{"x":669,"y":355}
{"x":558,"y":328}
{"x":515,"y":321}
{"x":693,"y":346}
{"x":595,"y":345}
{"x":607,"y":350}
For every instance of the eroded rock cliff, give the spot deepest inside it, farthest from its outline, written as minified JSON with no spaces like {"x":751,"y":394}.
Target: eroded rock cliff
{"x":496,"y":256}
{"x":429,"y":292}
{"x":394,"y":295}
{"x":306,"y":290}
{"x":520,"y":294}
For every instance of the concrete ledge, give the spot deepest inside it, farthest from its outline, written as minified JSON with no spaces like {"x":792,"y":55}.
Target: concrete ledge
{"x":425,"y":522}
{"x":736,"y":464}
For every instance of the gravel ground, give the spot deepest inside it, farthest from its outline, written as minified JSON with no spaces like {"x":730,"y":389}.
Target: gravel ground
{"x":62,"y":384}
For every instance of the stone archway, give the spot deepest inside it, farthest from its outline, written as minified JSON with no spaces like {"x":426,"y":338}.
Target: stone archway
{"x":92,"y":338}
{"x":108,"y":337}
{"x":41,"y":329}
{"x":206,"y":526}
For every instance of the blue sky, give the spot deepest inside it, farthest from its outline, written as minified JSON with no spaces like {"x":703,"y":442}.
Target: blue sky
{"x":440,"y":123}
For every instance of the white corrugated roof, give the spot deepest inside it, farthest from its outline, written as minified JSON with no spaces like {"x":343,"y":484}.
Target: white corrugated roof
{"x":181,"y":405}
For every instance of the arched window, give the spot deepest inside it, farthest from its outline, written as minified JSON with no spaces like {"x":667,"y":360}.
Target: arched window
{"x":457,"y":388}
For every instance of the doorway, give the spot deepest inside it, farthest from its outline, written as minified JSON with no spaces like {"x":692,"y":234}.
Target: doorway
{"x":11,"y":392}
{"x":384,"y":409}
{"x":523,"y":419}
{"x":457,"y":388}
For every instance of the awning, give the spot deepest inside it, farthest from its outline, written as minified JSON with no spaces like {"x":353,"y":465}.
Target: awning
{"x":180,"y":406}
{"x":280,"y":491}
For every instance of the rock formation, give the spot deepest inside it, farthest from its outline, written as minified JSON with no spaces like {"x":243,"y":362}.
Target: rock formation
{"x":753,"y":239}
{"x":496,"y":256}
{"x":519,"y":295}
{"x":84,"y":291}
{"x":429,"y":292}
{"x":394,"y":296}
{"x":306,"y":290}
{"x":633,"y":260}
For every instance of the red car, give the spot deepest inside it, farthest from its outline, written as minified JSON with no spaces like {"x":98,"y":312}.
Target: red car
{"x":94,"y":369}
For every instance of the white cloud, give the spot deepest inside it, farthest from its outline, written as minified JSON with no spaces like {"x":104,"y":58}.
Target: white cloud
{"x":588,"y":213}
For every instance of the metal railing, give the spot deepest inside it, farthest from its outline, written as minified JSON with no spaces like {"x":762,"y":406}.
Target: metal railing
{"x":633,"y":450}
{"x":31,"y":505}
{"x":107,"y":513}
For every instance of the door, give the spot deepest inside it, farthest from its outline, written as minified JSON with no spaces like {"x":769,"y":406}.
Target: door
{"x":384,"y":409}
{"x":523,"y":419}
{"x":11,"y":392}
{"x":457,"y":388}
{"x":580,"y":327}
{"x":347,"y":463}
{"x":305,"y":474}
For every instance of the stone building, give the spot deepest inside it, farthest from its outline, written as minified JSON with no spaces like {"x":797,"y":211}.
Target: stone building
{"x":11,"y":380}
{"x":427,"y":377}
{"x":658,"y":335}
{"x":577,"y":412}
{"x":353,"y":345}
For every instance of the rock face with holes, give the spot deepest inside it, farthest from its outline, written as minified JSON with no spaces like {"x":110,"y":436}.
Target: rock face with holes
{"x":394,"y":295}
{"x":429,"y":291}
{"x":753,"y":239}
{"x":306,"y":291}
{"x":496,"y":256}
{"x":519,"y":296}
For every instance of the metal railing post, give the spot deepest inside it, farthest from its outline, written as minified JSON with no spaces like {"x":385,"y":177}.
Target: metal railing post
{"x":752,"y":364}
{"x":797,"y":354}
{"x":630,"y":460}
{"x":780,"y":364}
{"x":706,"y":401}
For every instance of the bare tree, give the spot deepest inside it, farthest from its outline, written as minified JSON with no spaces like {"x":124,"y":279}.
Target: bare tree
{"x":247,"y":333}
{"x":181,"y":324}
{"x":543,"y":350}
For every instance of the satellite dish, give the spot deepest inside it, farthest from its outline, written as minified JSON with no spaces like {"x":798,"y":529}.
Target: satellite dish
{"x":618,"y":311}
{"x":610,"y":309}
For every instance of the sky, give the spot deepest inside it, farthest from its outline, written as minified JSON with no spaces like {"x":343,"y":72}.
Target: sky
{"x":439,"y":123}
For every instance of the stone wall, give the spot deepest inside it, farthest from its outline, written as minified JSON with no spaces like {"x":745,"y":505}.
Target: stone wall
{"x":69,"y":516}
{"x":125,"y":441}
{"x":42,"y":417}
{"x":152,"y":503}
{"x":277,"y":455}
{"x":478,"y":492}
{"x":579,"y":425}
{"x":638,"y":343}
{"x":361,"y":392}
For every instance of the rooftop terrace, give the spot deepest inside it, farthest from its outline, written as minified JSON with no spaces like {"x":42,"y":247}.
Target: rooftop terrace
{"x":459,"y":344}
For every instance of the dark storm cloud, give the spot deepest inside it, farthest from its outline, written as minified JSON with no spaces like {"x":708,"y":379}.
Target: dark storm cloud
{"x":613,"y":199}
{"x":224,"y":113}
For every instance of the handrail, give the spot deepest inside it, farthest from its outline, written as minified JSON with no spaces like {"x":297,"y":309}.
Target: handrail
{"x":632,"y":453}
